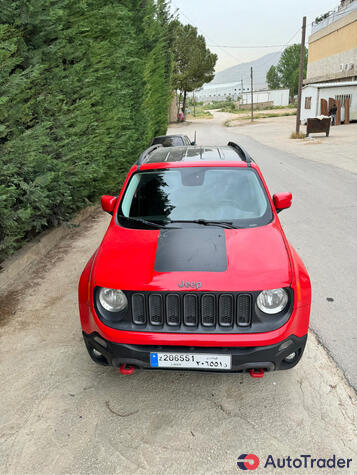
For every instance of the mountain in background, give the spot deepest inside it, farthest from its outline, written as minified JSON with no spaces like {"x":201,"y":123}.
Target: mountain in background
{"x":242,"y":71}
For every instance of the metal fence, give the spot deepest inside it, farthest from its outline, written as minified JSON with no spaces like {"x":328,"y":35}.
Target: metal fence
{"x":345,"y":9}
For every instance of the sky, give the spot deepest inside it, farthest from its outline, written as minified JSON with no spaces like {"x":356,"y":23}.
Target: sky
{"x":249,"y":23}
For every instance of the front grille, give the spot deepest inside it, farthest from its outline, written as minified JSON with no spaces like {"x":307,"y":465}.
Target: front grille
{"x":225,"y":313}
{"x":244,"y":310}
{"x":192,"y":311}
{"x":208,"y":310}
{"x":156,"y":313}
{"x":173,"y":309}
{"x":138,"y":305}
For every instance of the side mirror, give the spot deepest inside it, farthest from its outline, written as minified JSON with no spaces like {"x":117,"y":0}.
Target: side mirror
{"x":108,"y":203}
{"x":193,"y":143}
{"x":282,"y":201}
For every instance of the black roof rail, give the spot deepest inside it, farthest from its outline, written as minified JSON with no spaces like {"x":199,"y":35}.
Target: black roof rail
{"x":146,"y":153}
{"x":244,"y":155}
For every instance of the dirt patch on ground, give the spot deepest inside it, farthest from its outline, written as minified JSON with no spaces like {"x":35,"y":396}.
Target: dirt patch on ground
{"x":313,"y":142}
{"x":31,"y":278}
{"x":242,"y":123}
{"x":8,"y":305}
{"x":258,"y":116}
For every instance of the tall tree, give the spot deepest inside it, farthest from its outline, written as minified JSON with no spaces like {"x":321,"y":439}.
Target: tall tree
{"x":288,"y":68}
{"x":193,"y":61}
{"x":84,"y":85}
{"x":272,"y":78}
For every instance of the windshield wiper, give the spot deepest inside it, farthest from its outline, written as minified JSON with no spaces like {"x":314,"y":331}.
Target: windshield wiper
{"x":204,"y":222}
{"x":141,"y":220}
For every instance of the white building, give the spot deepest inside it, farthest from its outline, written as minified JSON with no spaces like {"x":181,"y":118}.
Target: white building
{"x":313,"y":93}
{"x":220,"y":92}
{"x":279,"y":97}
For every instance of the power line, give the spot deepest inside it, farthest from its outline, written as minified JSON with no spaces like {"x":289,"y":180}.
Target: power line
{"x":207,"y":36}
{"x":234,"y":46}
{"x":223,"y":47}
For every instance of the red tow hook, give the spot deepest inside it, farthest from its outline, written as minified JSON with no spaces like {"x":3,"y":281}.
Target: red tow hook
{"x":126,"y":369}
{"x":256,"y":373}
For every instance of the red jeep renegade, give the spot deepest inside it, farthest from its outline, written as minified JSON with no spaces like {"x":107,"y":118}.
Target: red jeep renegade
{"x":194,"y":271}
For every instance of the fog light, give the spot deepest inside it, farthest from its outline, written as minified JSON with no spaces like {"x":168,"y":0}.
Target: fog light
{"x":290,"y":357}
{"x":97,"y":353}
{"x":284,"y":345}
{"x":100,"y":341}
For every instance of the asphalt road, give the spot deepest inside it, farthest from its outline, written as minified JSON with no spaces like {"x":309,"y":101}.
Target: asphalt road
{"x":61,"y":413}
{"x":321,"y":225}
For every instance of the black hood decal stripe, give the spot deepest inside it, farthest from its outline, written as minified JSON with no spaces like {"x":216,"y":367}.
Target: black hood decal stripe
{"x":191,"y":249}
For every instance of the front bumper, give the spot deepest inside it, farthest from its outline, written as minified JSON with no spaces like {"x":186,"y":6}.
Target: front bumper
{"x":269,"y":358}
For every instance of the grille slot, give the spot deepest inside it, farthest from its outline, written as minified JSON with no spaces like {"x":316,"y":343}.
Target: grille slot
{"x":190,"y":310}
{"x":173,"y":309}
{"x":244,"y":310}
{"x":138,"y":304}
{"x":225,"y":311}
{"x":155,"y":309}
{"x":208,"y":310}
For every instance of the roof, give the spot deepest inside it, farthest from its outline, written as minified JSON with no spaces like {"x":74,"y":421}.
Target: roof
{"x":332,"y":84}
{"x":193,"y":153}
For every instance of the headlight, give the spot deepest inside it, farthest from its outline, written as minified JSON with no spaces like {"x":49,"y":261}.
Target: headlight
{"x":113,"y":300}
{"x":272,"y":301}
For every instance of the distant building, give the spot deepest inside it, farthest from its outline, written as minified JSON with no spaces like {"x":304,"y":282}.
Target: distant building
{"x":277,"y":97}
{"x":220,"y":92}
{"x":235,"y":90}
{"x":332,"y":63}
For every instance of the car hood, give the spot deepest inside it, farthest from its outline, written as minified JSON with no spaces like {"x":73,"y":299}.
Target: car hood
{"x":214,"y":259}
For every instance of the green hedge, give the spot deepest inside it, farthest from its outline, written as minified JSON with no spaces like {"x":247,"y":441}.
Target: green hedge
{"x":84,"y":85}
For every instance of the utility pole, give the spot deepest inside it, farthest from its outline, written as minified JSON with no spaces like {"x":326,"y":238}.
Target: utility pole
{"x":241,"y":88}
{"x":251,"y":93}
{"x":301,"y":71}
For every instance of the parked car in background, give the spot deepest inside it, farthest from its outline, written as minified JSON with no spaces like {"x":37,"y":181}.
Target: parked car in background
{"x":172,"y":140}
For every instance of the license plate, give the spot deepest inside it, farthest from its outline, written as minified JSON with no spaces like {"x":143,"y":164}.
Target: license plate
{"x":190,"y":360}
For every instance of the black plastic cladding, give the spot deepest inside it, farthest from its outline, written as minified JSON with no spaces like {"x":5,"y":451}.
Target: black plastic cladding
{"x":244,"y":155}
{"x":157,"y":312}
{"x":243,"y":358}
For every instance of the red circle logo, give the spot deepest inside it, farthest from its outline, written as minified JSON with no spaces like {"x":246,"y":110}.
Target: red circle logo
{"x":248,"y":462}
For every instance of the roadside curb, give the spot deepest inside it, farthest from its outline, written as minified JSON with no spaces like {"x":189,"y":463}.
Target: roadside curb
{"x":35,"y":250}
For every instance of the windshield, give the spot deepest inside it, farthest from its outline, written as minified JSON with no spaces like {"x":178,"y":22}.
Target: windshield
{"x":234,"y":195}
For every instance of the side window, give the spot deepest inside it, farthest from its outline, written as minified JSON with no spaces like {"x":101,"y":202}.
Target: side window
{"x":308,"y":102}
{"x":177,"y":141}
